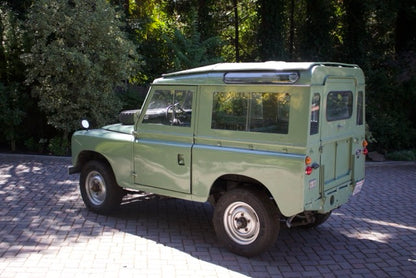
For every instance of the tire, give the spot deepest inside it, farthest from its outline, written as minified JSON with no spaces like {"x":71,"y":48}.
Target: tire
{"x":127,"y":117}
{"x":246,"y":221}
{"x":99,"y":189}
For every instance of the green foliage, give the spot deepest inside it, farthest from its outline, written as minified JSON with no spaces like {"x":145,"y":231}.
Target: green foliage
{"x":11,"y":47}
{"x":316,"y":42}
{"x":271,"y":32}
{"x":11,"y":113}
{"x":148,"y":28}
{"x":132,"y":97}
{"x":189,"y":51}
{"x":59,"y":146}
{"x":13,"y":97}
{"x":75,"y":54}
{"x":79,"y":54}
{"x":369,"y":135}
{"x":403,"y":155}
{"x":391,"y":132}
{"x":37,"y":146}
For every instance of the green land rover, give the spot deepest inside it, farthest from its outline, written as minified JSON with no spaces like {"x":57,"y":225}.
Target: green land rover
{"x":264,"y":143}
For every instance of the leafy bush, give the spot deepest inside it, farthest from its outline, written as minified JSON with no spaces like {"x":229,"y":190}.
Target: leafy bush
{"x":59,"y":146}
{"x":404,"y":155}
{"x":11,"y":113}
{"x":391,"y":132}
{"x":78,"y":56}
{"x":34,"y":145}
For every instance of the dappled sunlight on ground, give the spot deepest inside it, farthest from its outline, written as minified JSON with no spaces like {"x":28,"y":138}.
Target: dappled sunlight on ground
{"x":47,"y":231}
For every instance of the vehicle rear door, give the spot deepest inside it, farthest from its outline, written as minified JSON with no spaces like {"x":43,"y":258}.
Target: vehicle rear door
{"x":337,"y":132}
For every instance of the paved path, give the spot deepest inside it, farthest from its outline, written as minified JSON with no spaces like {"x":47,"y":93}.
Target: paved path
{"x":46,"y":231}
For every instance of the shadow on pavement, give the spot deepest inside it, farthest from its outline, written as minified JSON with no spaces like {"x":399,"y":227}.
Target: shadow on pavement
{"x":372,"y":235}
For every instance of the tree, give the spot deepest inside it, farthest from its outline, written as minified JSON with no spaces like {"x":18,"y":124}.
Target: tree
{"x":271,"y":33}
{"x":79,"y":55}
{"x":13,"y":95}
{"x":19,"y":6}
{"x":355,"y":34}
{"x":189,"y":51}
{"x":316,"y":43}
{"x":148,"y":26}
{"x":12,"y":114}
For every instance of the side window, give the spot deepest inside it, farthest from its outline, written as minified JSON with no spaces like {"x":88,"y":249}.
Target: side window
{"x":315,"y":110}
{"x":360,"y":108}
{"x":170,"y":107}
{"x":254,"y":112}
{"x":339,"y":105}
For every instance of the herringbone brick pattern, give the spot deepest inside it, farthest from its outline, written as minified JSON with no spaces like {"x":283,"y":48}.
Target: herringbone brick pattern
{"x":46,"y":231}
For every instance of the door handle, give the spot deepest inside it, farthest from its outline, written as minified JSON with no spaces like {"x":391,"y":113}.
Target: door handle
{"x":181,"y":159}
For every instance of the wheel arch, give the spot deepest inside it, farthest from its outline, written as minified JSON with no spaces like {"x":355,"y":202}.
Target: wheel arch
{"x":85,"y":156}
{"x":228,"y":182}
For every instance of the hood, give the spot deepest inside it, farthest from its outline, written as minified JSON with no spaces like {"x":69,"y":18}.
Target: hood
{"x":119,"y":128}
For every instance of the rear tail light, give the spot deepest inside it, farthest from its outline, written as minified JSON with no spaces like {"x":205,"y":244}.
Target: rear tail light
{"x":309,"y":168}
{"x":365,"y":144}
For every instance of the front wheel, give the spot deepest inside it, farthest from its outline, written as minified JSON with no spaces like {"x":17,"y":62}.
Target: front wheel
{"x":246,"y":221}
{"x":99,"y":189}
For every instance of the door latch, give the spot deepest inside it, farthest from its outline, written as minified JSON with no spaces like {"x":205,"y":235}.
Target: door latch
{"x":181,"y":159}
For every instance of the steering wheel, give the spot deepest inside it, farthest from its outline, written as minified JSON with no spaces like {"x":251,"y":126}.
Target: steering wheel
{"x":175,"y":109}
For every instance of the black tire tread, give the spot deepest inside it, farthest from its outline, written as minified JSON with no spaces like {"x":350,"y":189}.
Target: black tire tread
{"x":270,"y":224}
{"x":114,"y":192}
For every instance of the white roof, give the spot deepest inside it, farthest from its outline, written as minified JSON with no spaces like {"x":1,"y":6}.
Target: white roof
{"x":256,"y":66}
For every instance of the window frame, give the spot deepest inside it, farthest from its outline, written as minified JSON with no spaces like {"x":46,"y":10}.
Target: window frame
{"x":360,"y":108}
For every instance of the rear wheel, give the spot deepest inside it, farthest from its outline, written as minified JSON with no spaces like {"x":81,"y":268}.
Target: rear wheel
{"x":99,"y":189}
{"x":246,"y":221}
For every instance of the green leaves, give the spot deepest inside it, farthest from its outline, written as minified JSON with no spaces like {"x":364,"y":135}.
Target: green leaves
{"x":12,"y":113}
{"x":78,"y":56}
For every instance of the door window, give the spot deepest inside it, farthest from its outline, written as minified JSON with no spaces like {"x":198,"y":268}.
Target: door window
{"x":170,"y":107}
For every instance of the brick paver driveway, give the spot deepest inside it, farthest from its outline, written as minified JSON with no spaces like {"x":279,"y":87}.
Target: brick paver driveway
{"x":46,"y":231}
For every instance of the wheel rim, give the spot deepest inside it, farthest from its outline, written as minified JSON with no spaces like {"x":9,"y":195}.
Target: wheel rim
{"x":95,"y":188}
{"x":241,"y":223}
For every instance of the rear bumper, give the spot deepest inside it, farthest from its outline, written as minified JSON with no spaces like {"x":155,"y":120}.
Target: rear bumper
{"x":334,"y":197}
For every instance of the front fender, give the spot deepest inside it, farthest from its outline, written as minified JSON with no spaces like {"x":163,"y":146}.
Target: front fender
{"x":116,"y":148}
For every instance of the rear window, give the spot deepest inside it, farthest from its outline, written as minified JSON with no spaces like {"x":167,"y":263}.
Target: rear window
{"x":339,"y":105}
{"x":253,"y":112}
